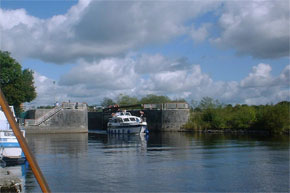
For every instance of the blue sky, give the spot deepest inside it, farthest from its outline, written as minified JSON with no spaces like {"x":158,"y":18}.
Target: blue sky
{"x":233,"y":51}
{"x":42,"y":9}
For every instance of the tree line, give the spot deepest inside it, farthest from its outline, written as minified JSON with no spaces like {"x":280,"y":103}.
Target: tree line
{"x":125,"y":100}
{"x":210,"y":114}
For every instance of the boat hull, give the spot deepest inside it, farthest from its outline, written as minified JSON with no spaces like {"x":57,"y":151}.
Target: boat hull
{"x":13,"y":161}
{"x":10,"y":150}
{"x":136,"y":129}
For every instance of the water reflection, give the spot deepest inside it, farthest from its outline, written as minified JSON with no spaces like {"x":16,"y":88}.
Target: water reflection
{"x":161,"y":162}
{"x":125,"y":141}
{"x":58,"y":155}
{"x":68,"y":144}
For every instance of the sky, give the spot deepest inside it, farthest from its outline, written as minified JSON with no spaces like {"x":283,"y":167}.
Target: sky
{"x":82,"y":51}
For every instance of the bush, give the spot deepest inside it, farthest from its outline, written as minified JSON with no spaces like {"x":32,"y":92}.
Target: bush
{"x":210,"y":114}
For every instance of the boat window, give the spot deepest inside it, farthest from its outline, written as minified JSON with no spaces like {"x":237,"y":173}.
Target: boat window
{"x":120,"y":120}
{"x":132,"y":119}
{"x":126,"y":120}
{"x":8,"y":134}
{"x":128,"y":113}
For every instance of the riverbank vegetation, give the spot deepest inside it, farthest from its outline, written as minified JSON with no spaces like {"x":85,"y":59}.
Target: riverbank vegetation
{"x":209,"y":115}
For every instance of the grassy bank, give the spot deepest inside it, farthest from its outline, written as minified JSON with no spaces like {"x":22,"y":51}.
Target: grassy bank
{"x":209,"y":115}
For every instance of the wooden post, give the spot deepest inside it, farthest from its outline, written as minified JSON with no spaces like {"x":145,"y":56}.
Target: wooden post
{"x":23,"y":144}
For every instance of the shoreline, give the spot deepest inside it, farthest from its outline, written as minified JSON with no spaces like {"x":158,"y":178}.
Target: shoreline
{"x":237,"y":131}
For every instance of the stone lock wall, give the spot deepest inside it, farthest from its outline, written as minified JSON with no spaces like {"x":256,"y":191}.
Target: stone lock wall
{"x":172,"y":120}
{"x":67,"y":120}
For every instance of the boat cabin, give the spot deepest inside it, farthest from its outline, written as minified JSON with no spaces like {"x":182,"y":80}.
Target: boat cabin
{"x":123,"y":114}
{"x":124,"y":117}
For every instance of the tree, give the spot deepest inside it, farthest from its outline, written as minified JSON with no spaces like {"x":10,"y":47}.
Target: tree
{"x":16,"y":84}
{"x":242,"y":117}
{"x":274,"y":118}
{"x":107,"y":102}
{"x":208,"y":103}
{"x":154,"y":99}
{"x":124,"y":100}
{"x":193,"y":104}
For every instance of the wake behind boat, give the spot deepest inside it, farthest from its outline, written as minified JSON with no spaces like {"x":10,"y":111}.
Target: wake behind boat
{"x":125,"y":123}
{"x":10,"y":150}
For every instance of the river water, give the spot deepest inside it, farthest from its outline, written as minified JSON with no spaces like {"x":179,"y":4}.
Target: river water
{"x":164,"y":162}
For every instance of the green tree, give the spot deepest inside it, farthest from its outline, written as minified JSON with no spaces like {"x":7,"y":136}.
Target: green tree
{"x":208,"y":103}
{"x":274,"y":118}
{"x":212,"y":115}
{"x":154,"y":99}
{"x":213,"y":118}
{"x":124,"y":100}
{"x":179,"y":100}
{"x":242,"y":117}
{"x":16,"y":84}
{"x":107,"y":102}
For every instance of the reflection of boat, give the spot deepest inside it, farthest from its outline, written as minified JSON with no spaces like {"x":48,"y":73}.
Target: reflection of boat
{"x":10,"y":150}
{"x":126,"y":141}
{"x":125,"y":123}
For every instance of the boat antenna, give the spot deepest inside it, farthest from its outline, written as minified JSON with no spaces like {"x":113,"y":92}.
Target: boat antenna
{"x":23,"y":144}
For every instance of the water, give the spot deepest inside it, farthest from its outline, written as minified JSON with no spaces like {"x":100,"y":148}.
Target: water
{"x":168,"y":162}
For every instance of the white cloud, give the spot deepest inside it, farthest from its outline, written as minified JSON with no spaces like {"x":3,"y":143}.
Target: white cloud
{"x":93,"y":29}
{"x":284,"y":78}
{"x":200,"y":34}
{"x":258,"y":28}
{"x":46,"y":90}
{"x":179,"y":80}
{"x":98,"y":29}
{"x":259,"y":77}
{"x":111,"y":73}
{"x":260,"y":87}
{"x":49,"y":91}
{"x":152,"y":64}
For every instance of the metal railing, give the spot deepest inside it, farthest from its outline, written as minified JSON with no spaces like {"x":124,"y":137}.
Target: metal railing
{"x":47,"y":115}
{"x":165,"y":106}
{"x":67,"y":105}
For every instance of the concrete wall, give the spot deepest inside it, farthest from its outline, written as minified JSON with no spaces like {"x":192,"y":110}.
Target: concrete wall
{"x":65,"y":121}
{"x":36,"y":113}
{"x":172,"y":120}
{"x":166,"y":120}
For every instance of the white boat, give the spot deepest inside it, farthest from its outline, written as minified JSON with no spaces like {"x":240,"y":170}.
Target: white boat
{"x":10,"y":150}
{"x":125,"y":123}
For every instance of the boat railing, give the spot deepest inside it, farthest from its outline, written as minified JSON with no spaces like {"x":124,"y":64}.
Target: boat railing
{"x":9,"y":133}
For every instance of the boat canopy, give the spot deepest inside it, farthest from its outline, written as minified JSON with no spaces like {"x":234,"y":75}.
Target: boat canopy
{"x":4,"y":125}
